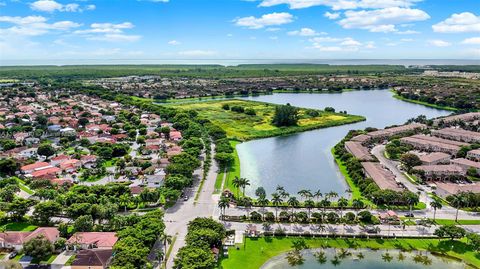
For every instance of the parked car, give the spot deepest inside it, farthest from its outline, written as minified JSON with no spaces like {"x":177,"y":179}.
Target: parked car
{"x":185,"y":198}
{"x":12,"y":255}
{"x":409,"y":215}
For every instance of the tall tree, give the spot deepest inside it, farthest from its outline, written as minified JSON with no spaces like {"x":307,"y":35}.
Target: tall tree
{"x":436,"y":205}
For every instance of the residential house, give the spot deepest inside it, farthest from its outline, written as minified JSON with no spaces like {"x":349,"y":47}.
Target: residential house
{"x":359,"y":151}
{"x":441,"y":172}
{"x":445,"y":189}
{"x":92,"y":240}
{"x":383,"y":177}
{"x":29,"y":168}
{"x":15,"y":240}
{"x":435,"y":158}
{"x":92,"y":259}
{"x":474,"y":154}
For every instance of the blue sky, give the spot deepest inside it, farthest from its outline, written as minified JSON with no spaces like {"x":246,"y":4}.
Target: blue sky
{"x":239,"y":29}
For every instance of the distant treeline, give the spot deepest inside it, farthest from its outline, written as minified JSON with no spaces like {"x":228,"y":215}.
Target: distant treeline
{"x":70,"y":72}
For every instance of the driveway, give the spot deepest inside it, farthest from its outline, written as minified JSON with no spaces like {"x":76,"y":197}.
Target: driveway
{"x":61,"y":259}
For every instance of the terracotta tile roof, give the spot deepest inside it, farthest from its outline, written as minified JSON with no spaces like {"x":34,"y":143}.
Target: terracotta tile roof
{"x":100,"y":239}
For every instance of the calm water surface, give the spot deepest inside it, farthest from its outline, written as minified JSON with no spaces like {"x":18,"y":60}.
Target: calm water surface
{"x":304,"y":160}
{"x":371,"y":260}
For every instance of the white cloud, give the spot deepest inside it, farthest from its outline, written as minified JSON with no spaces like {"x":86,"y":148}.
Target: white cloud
{"x":52,"y":6}
{"x":407,"y":32}
{"x":439,"y":43}
{"x":33,"y":25}
{"x":115,"y":38}
{"x":332,"y":15}
{"x":265,"y":20}
{"x":334,"y":44}
{"x":174,"y":42}
{"x":197,"y":53}
{"x":406,"y":40}
{"x":340,"y":4}
{"x":381,"y":20}
{"x":472,"y":41}
{"x":305,"y":32}
{"x":459,"y":23}
{"x":109,"y":32}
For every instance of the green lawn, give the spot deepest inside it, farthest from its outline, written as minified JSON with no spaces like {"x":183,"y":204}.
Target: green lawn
{"x":47,"y":260}
{"x":234,"y":170}
{"x":258,"y":251}
{"x":24,"y":187}
{"x":240,"y":126}
{"x":461,"y":222}
{"x":19,"y":227}
{"x":356,"y":194}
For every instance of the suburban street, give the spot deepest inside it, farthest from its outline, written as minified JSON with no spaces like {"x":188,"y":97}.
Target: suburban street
{"x":178,"y":216}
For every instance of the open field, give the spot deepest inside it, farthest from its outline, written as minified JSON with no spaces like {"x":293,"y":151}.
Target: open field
{"x":240,"y":126}
{"x":257,"y":251}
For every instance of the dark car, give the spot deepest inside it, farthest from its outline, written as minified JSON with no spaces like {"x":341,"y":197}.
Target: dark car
{"x":409,"y":215}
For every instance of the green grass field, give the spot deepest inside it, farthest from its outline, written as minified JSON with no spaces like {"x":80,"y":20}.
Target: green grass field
{"x":260,"y":250}
{"x":18,"y":227}
{"x":240,"y":126}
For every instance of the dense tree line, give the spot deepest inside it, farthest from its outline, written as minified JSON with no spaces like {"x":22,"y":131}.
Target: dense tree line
{"x":203,"y":235}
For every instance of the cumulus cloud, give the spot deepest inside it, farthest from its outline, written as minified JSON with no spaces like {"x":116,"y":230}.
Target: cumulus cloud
{"x":110,"y":32}
{"x":459,"y":23}
{"x":305,"y":32}
{"x":332,"y":15}
{"x":340,"y":4}
{"x":472,"y":41}
{"x":271,"y":19}
{"x":381,"y":20}
{"x":33,"y":25}
{"x":52,"y":6}
{"x":439,"y":43}
{"x":335,"y":44}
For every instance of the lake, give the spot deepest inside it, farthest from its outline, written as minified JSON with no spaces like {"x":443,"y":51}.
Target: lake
{"x":371,"y":260}
{"x":304,"y":160}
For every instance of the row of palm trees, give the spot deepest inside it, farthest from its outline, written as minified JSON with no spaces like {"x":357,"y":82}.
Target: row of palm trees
{"x":281,"y":198}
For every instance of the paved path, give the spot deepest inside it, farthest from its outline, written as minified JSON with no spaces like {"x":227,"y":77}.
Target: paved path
{"x":61,"y":259}
{"x":350,"y":230}
{"x":178,"y":216}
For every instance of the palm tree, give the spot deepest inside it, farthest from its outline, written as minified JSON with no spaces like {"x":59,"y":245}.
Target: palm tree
{"x":435,"y":204}
{"x":293,"y":202}
{"x":412,"y":199}
{"x":342,"y":203}
{"x":357,"y":204}
{"x":276,"y":201}
{"x":244,"y":183}
{"x":167,"y":239}
{"x":124,"y":200}
{"x":309,"y":204}
{"x":281,"y":190}
{"x":247,"y":203}
{"x":237,"y":182}
{"x":262,"y":201}
{"x":331,"y":195}
{"x":305,"y":194}
{"x":317,"y":195}
{"x":223,"y":203}
{"x":457,"y":202}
